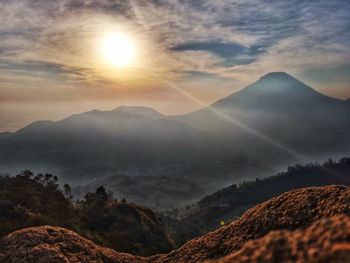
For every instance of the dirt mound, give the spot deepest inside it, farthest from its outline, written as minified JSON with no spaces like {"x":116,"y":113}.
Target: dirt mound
{"x":292,"y":210}
{"x":295,"y":209}
{"x":54,"y":244}
{"x":327,"y":240}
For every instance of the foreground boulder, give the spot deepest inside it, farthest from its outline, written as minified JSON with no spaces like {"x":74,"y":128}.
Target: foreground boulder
{"x":327,"y":240}
{"x":54,"y":244}
{"x":297,"y":209}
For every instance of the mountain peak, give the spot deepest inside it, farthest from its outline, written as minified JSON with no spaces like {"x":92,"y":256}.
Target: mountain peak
{"x":280,"y":81}
{"x":139,"y":110}
{"x":274,"y":83}
{"x":274,"y":88}
{"x":277,"y":74}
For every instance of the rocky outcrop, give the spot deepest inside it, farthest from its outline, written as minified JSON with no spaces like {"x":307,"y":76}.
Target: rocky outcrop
{"x":297,"y":209}
{"x":327,"y":240}
{"x":54,"y":244}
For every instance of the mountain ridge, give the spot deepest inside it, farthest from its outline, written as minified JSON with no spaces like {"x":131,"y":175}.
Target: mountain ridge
{"x":140,"y":110}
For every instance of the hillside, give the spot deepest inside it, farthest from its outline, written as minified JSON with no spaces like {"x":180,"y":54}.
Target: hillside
{"x":321,"y":211}
{"x":231,"y":202}
{"x":34,"y":200}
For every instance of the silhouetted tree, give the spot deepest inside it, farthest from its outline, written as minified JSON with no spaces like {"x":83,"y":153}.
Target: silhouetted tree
{"x":67,"y":191}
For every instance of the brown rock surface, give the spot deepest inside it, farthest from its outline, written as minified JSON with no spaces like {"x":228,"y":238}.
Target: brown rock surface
{"x":295,"y":209}
{"x":57,"y":245}
{"x":327,"y":240}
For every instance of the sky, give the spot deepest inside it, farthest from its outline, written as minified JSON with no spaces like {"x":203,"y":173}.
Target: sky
{"x":51,"y":64}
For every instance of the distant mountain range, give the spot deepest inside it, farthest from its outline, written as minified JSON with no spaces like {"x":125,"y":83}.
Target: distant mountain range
{"x":155,"y":159}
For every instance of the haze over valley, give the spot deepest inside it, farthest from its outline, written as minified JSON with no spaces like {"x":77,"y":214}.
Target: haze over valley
{"x":160,"y":161}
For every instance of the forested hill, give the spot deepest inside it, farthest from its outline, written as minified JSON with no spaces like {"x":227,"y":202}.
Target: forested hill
{"x":28,"y":200}
{"x":229,"y":203}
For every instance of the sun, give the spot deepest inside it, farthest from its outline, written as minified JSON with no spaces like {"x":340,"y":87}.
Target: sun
{"x":118,"y":49}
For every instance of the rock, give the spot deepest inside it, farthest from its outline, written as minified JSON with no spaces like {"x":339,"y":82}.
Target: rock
{"x":327,"y":240}
{"x":54,"y":244}
{"x":295,"y":209}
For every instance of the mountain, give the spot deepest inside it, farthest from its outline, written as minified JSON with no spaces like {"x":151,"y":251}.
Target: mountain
{"x":90,"y":144}
{"x":297,"y":225}
{"x":276,"y":89}
{"x":273,"y":123}
{"x":281,"y":113}
{"x":163,"y":161}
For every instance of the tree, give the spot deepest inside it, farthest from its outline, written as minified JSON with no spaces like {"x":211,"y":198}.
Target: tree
{"x":101,"y":194}
{"x":67,"y":191}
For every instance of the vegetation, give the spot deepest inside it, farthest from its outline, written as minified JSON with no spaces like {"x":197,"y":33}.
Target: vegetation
{"x":32,"y":200}
{"x":230,"y":203}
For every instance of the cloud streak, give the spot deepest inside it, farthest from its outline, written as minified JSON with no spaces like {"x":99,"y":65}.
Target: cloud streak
{"x":239,"y":32}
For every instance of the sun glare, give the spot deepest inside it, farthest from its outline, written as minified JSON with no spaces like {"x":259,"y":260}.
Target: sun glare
{"x":118,"y":49}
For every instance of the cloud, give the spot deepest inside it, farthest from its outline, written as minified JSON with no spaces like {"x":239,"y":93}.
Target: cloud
{"x":57,"y":41}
